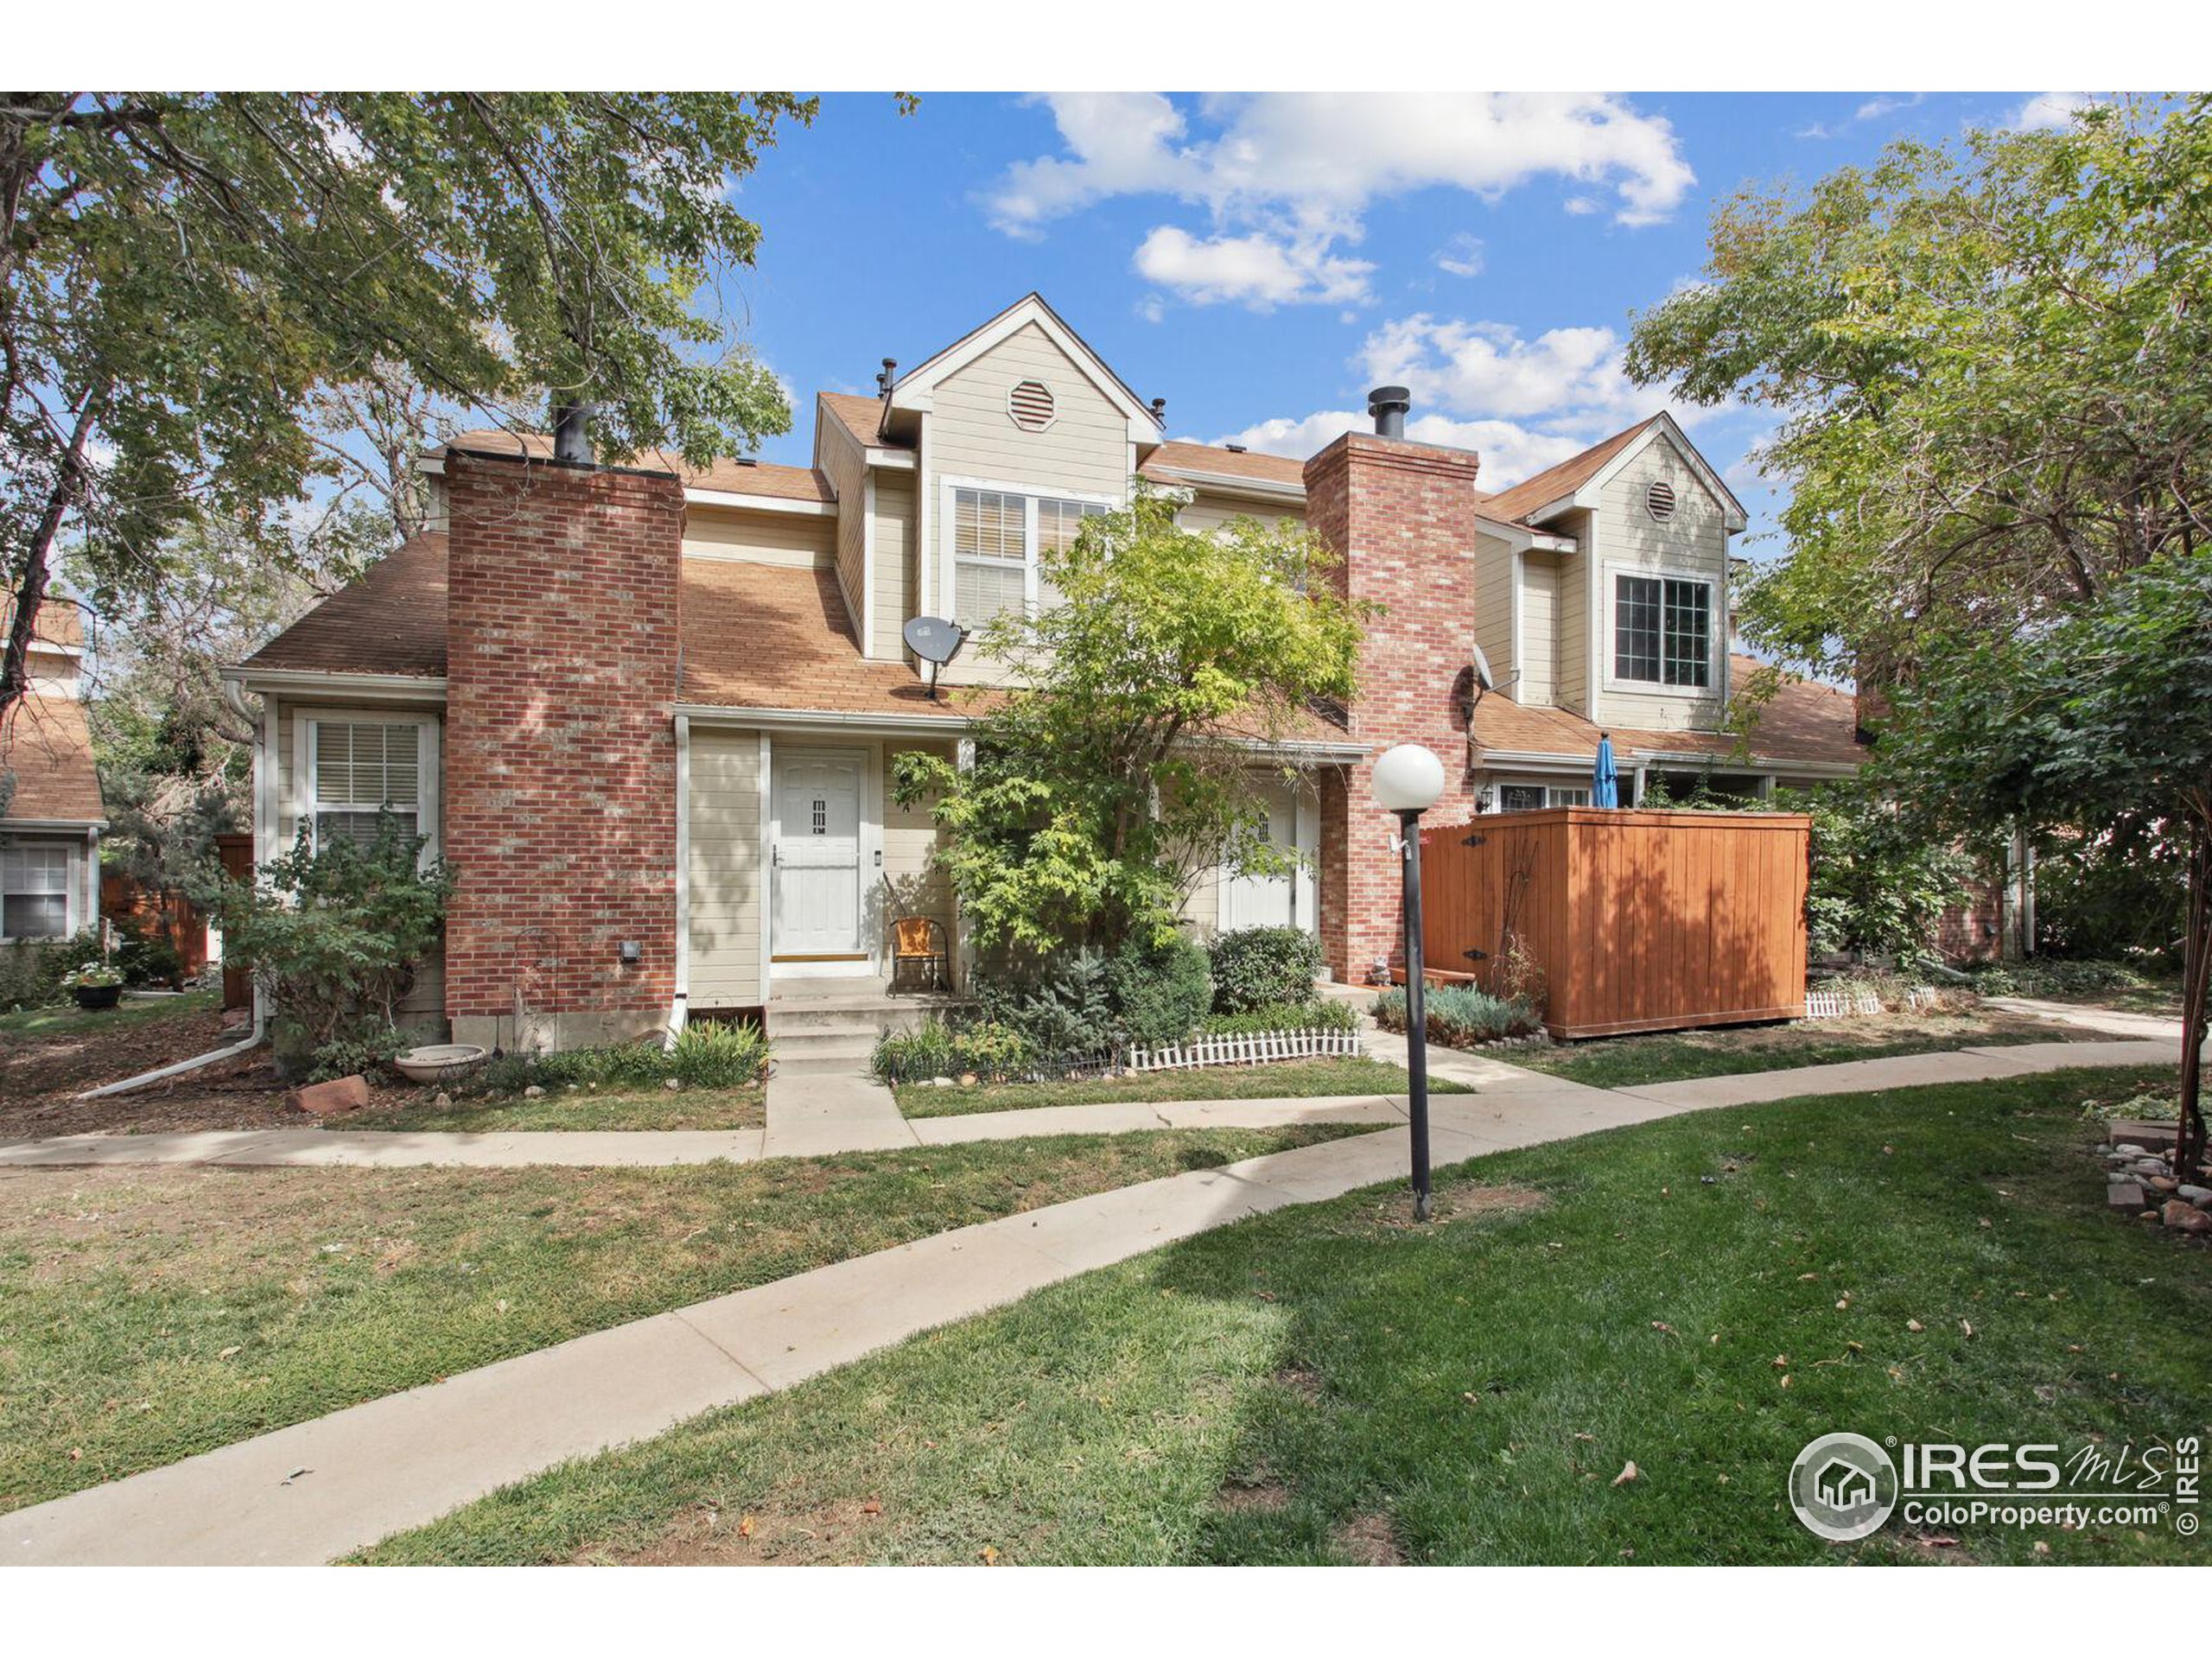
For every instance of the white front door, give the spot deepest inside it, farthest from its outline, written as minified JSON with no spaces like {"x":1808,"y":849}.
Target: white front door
{"x":1278,"y":901}
{"x":818,"y":795}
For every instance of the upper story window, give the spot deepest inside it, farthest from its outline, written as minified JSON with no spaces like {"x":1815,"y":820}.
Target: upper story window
{"x":359,"y":770}
{"x":34,"y":892}
{"x":998,"y":540}
{"x":1662,"y":629}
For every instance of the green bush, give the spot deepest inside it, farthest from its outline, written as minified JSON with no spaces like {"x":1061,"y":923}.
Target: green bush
{"x":31,"y":969}
{"x":368,"y":1048}
{"x":707,"y":1054}
{"x":1317,"y":1015}
{"x":710,"y":1054}
{"x":146,"y":955}
{"x":1065,"y":1010}
{"x":2057,"y":978}
{"x":1460,"y":1016}
{"x":1160,"y":991}
{"x":915,"y":1056}
{"x":989,"y":1049}
{"x":1259,"y":967}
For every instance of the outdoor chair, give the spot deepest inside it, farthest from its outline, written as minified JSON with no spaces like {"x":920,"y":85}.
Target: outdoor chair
{"x":921,"y":939}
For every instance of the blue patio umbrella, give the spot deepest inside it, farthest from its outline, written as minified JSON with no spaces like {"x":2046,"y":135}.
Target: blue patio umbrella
{"x":1604,"y":780}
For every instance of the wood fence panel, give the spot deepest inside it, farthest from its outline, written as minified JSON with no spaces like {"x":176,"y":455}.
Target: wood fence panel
{"x":1637,"y":921}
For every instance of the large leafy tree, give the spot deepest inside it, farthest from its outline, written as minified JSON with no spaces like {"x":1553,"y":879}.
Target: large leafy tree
{"x":1987,"y":368}
{"x":187,"y":280}
{"x":2106,"y":715}
{"x":1128,"y":759}
{"x":1995,"y":430}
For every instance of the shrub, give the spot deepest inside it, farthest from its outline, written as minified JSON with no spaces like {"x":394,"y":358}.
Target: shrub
{"x":334,"y":935}
{"x":1065,"y":1010}
{"x":1256,"y":967}
{"x":93,"y":975}
{"x":369,"y":1047}
{"x":145,"y":956}
{"x":989,"y":1049}
{"x":1460,"y":1016}
{"x":31,"y":969}
{"x":2057,"y":978}
{"x":713,"y":1055}
{"x":1160,"y":991}
{"x":915,"y":1056}
{"x":1317,"y":1015}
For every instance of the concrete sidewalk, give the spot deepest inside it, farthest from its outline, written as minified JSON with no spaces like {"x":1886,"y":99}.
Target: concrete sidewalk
{"x":324,"y":1488}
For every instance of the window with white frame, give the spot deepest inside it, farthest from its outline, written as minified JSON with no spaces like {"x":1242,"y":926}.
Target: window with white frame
{"x":1662,"y":629}
{"x":358,"y":770}
{"x":998,"y":540}
{"x":1534,"y":797}
{"x":35,"y":892}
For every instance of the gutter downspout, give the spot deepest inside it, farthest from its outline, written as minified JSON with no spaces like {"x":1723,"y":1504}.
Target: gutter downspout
{"x":678,"y":1008}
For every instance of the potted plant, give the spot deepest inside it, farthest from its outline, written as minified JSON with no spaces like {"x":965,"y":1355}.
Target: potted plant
{"x":95,"y":985}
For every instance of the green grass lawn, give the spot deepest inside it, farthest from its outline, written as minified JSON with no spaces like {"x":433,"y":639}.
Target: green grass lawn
{"x":582,"y":1108}
{"x":68,"y":1020}
{"x":1305,"y":1078}
{"x":1699,"y":1297}
{"x":148,"y":1314}
{"x":1663,"y":1056}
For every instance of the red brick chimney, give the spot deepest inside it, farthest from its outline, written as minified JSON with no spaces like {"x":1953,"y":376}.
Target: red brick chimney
{"x":1403,"y":518}
{"x":560,"y":774}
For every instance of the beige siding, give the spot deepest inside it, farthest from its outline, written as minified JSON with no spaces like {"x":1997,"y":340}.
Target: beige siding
{"x":842,"y":461}
{"x":426,"y":1000}
{"x":1494,"y":607}
{"x":897,"y":597}
{"x":726,"y":866}
{"x":1085,"y":452}
{"x":786,"y":538}
{"x":1571,"y":683}
{"x":915,"y":886}
{"x":1539,"y":629}
{"x":1208,"y":510}
{"x":1692,"y":542}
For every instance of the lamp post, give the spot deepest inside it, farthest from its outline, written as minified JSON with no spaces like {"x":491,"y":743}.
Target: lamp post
{"x":1407,"y":781}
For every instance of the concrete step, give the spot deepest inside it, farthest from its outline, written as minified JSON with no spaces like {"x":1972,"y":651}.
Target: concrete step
{"x":811,"y":1065}
{"x":825,"y":1044}
{"x":872,"y":1014}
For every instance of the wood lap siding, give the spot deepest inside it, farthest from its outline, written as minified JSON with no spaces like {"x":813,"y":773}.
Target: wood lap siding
{"x":726,"y":866}
{"x":1691,"y":542}
{"x":800,"y":540}
{"x":1639,"y":921}
{"x":897,"y":597}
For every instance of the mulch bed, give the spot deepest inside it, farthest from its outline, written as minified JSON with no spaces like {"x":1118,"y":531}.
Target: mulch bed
{"x":40,"y":1078}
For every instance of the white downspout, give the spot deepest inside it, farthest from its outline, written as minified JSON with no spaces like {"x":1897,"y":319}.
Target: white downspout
{"x":677,"y":1010}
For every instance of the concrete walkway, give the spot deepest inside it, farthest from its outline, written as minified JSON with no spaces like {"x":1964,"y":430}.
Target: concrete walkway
{"x":321,"y":1489}
{"x":2116,"y":1020}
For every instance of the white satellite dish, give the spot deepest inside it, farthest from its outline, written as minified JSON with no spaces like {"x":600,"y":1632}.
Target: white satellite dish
{"x":1485,"y":680}
{"x":937,"y":641}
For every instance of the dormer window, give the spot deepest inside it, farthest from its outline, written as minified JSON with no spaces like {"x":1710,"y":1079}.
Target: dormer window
{"x":1029,"y":405}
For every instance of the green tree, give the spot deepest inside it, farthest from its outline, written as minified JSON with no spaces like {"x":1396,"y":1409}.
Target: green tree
{"x":2106,"y":716}
{"x":1124,"y":764}
{"x":187,"y":279}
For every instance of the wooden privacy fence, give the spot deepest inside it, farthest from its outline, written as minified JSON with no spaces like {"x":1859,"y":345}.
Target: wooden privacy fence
{"x":1633,"y":921}
{"x":158,"y":912}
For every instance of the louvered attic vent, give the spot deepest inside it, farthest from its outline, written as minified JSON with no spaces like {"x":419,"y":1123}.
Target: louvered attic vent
{"x":1030,"y":403}
{"x":1659,"y":501}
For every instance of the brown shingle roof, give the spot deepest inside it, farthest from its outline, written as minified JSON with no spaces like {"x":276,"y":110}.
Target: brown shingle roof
{"x":45,"y":745}
{"x":764,"y":636}
{"x":1804,"y":720}
{"x":738,"y":477}
{"x":861,"y":417}
{"x":392,"y":622}
{"x":1178,"y":456}
{"x":1565,"y":478}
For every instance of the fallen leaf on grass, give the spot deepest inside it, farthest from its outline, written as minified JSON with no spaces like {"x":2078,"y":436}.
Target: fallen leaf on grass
{"x":745,"y":1526}
{"x":228,"y":1352}
{"x":872,"y":1507}
{"x":1966,"y":1326}
{"x":1915,"y":1325}
{"x":988,"y":1555}
{"x":1661,"y":1325}
{"x":1628,"y":1471}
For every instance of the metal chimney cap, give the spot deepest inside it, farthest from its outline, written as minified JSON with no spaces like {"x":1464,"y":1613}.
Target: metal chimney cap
{"x":1383,"y":398}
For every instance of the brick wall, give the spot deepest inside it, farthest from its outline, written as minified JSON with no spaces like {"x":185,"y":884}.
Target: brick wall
{"x":1403,"y":514}
{"x":1975,"y":931}
{"x":560,"y":788}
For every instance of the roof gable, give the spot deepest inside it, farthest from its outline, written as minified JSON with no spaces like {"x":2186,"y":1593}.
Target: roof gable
{"x":1579,"y":480}
{"x":915,"y":389}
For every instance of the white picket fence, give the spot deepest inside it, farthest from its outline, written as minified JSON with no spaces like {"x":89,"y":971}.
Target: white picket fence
{"x":1243,"y":1050}
{"x":1842,"y":1005}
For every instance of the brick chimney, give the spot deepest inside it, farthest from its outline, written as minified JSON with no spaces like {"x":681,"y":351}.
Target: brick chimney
{"x":1401,"y":516}
{"x":560,"y":773}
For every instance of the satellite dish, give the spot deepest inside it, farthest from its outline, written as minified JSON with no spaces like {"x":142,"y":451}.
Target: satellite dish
{"x":1483,"y":680}
{"x":937,"y":641}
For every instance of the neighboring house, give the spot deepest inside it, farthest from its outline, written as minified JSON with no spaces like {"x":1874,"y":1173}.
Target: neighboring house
{"x":648,"y":714}
{"x":51,"y":814}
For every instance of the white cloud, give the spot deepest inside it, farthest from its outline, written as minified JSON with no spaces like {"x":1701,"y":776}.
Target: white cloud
{"x":1887,"y":103}
{"x":1299,"y":171}
{"x":1257,"y":270}
{"x":1461,"y":256}
{"x":2048,"y":111}
{"x":1509,"y":452}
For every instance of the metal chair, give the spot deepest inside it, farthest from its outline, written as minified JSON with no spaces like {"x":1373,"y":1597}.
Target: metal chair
{"x":921,"y":939}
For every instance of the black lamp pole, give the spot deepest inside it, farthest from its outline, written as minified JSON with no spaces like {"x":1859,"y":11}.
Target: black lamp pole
{"x":1416,"y":1014}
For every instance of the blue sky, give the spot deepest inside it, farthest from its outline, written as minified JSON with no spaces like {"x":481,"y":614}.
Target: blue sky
{"x":1260,"y":262}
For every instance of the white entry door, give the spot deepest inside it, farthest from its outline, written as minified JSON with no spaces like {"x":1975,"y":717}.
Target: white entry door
{"x":818,"y":852}
{"x":1279,"y":900}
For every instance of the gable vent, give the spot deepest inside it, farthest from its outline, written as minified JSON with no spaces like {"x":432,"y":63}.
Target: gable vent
{"x":1659,"y":501}
{"x":1030,"y":403}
